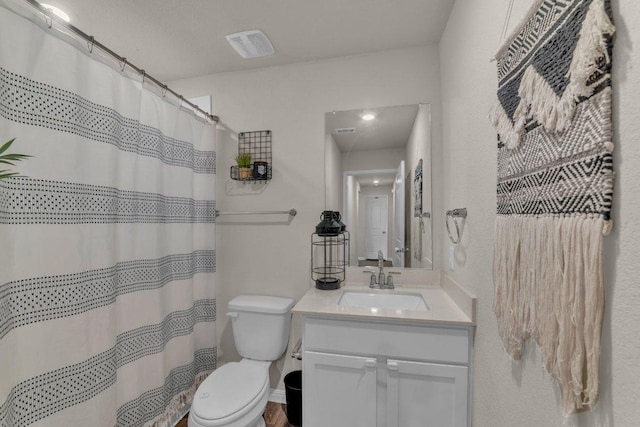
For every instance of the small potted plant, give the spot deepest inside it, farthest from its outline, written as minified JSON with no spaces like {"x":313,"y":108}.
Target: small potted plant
{"x":8,"y":159}
{"x":244,"y":166}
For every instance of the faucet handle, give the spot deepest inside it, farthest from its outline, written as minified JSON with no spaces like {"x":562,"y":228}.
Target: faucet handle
{"x":390,"y":278}
{"x":372,"y":279}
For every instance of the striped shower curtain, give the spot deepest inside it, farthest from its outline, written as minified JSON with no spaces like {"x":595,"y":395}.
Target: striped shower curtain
{"x":107,"y":256}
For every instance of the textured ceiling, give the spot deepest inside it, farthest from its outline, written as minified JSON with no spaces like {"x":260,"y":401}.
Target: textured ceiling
{"x":175,"y":39}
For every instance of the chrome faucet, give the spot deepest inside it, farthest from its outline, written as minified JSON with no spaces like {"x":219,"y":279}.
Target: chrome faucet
{"x":373,"y":280}
{"x":380,"y":282}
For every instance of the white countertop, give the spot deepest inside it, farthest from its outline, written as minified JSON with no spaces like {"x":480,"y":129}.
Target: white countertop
{"x":442,"y":308}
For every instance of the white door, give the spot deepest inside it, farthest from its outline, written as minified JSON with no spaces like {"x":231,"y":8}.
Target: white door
{"x":398,"y":217}
{"x":426,"y":394}
{"x":376,"y":217}
{"x":338,"y":390}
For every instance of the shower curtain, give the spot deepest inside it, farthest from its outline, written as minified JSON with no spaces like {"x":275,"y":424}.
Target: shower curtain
{"x":107,"y":257}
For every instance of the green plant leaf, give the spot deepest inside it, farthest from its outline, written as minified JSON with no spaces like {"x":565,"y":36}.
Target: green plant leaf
{"x":7,"y":175}
{"x":15,"y":156}
{"x":6,"y":146}
{"x":243,"y":160}
{"x":8,"y":159}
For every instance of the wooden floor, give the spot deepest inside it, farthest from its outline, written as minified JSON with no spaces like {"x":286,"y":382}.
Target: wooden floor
{"x":274,"y":416}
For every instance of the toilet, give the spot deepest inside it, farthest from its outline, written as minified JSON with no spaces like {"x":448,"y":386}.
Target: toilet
{"x":236,"y":394}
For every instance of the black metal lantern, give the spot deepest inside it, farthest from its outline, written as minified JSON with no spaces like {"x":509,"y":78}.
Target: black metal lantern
{"x":329,"y":247}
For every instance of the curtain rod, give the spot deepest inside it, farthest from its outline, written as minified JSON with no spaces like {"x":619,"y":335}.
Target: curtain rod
{"x":123,"y":60}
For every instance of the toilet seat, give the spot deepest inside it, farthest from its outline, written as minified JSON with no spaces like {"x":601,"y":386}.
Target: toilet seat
{"x":230,"y":393}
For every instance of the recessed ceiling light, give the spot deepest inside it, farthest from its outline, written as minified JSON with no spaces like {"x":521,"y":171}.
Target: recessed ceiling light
{"x":376,"y":182}
{"x":368,"y":117}
{"x":57,"y":11}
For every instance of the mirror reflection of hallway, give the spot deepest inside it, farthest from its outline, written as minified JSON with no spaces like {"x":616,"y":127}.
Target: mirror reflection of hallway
{"x":361,"y":154}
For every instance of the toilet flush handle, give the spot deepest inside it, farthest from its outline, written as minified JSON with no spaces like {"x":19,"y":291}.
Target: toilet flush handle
{"x":232,"y":314}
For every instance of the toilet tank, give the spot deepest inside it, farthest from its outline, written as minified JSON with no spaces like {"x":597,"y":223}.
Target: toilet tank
{"x":260,"y":325}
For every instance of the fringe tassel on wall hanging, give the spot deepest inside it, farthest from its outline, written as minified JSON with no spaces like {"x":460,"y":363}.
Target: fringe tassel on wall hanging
{"x":555,"y":187}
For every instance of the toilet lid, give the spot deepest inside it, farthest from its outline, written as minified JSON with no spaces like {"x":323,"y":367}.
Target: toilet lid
{"x":228,"y":390}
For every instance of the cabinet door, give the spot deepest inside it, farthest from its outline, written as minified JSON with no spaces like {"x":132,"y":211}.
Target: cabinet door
{"x":426,"y":394}
{"x":338,"y":390}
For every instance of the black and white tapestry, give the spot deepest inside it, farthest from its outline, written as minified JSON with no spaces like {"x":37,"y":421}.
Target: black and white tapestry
{"x":107,"y":254}
{"x":555,"y":187}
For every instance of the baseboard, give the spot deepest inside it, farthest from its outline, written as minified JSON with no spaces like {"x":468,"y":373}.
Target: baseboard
{"x":277,"y":395}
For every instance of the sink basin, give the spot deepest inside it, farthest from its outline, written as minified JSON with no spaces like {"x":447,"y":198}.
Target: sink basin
{"x":392,"y":301}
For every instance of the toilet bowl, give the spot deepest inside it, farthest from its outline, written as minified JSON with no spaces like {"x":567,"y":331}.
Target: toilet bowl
{"x":233,"y":396}
{"x":236,"y":394}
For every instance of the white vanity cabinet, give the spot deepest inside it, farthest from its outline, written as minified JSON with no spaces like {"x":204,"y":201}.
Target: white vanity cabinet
{"x":421,"y":394}
{"x":385,"y":373}
{"x":341,"y":390}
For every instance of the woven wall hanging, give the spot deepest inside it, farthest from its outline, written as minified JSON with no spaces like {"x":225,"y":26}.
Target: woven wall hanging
{"x":555,"y":187}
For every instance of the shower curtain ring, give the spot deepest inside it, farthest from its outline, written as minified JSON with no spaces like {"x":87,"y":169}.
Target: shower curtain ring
{"x":181,"y":99}
{"x":90,"y":44}
{"x":123,"y":63}
{"x":144,"y":75}
{"x":164,"y":90}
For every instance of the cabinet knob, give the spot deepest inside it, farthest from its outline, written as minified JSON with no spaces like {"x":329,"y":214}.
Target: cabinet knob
{"x":370,"y":363}
{"x":392,"y":366}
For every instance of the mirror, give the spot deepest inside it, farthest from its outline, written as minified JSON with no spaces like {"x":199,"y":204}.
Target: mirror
{"x":378,"y":176}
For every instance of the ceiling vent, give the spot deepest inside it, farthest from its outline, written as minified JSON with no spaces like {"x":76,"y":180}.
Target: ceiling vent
{"x":345,"y":130}
{"x":251,"y":44}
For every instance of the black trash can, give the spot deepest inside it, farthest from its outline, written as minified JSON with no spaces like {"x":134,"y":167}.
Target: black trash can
{"x":293,"y":392}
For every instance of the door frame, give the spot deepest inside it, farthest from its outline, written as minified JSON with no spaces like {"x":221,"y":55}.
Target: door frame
{"x":399,"y":257}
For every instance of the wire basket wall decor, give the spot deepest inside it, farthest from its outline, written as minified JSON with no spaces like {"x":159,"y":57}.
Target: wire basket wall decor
{"x":256,"y":144}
